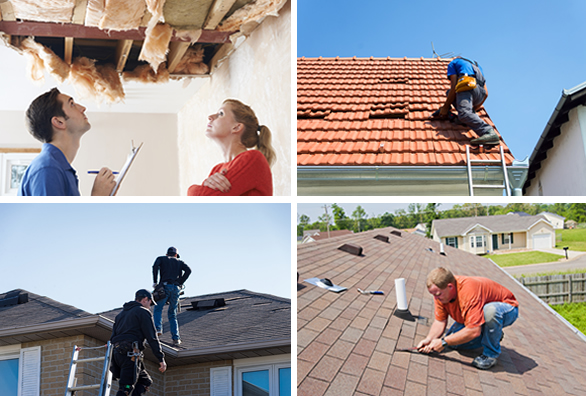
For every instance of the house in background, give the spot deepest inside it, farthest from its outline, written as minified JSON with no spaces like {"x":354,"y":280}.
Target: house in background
{"x":558,"y":163}
{"x":227,"y":339}
{"x":485,"y":234}
{"x":364,"y":128}
{"x":570,"y":224}
{"x":347,"y":342}
{"x":556,"y":220}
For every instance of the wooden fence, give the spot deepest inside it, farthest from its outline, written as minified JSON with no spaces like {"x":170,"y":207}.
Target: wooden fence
{"x":557,"y":289}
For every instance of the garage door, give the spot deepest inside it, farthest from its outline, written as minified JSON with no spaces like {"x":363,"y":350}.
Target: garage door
{"x":542,"y":241}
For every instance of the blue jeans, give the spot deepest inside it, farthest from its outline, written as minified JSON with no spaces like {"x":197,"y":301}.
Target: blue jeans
{"x":497,"y":315}
{"x":172,"y":292}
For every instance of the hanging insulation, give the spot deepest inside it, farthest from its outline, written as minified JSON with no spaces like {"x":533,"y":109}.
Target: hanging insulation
{"x":156,"y":45}
{"x":122,"y":14}
{"x":251,"y":12}
{"x":94,"y":12}
{"x":146,"y":74}
{"x":192,"y":62}
{"x":44,"y":10}
{"x":101,"y":82}
{"x":155,"y":7}
{"x":42,"y":58}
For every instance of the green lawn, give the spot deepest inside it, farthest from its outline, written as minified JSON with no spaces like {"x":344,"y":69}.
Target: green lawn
{"x":550,"y":273}
{"x":575,"y":239}
{"x":523,"y":258}
{"x":574,"y":313}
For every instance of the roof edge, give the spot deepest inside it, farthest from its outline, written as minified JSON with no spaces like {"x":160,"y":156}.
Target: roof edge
{"x":68,"y":324}
{"x":243,"y":346}
{"x":338,"y":58}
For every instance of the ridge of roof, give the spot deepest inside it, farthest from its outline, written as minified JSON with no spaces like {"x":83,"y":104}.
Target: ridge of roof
{"x":303,"y":58}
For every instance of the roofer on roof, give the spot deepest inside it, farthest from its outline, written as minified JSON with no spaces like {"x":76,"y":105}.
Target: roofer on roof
{"x":134,"y":324}
{"x":480,"y":308}
{"x":59,"y":122}
{"x":174,"y":273}
{"x":468,"y":100}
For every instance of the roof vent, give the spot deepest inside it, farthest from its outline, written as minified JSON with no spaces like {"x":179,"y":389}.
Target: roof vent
{"x":396,"y":233}
{"x":442,"y":249}
{"x":351,"y":248}
{"x":202,"y":305}
{"x":14,"y":298}
{"x":383,"y":238}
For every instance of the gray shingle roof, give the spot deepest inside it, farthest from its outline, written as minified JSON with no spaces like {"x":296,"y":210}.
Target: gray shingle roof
{"x":346,"y":341}
{"x":497,"y":224}
{"x":247,"y":317}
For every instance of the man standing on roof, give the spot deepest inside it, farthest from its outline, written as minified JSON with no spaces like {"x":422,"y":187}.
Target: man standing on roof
{"x":467,"y":101}
{"x":480,"y":308}
{"x":174,"y":273}
{"x":131,"y":327}
{"x":59,"y":123}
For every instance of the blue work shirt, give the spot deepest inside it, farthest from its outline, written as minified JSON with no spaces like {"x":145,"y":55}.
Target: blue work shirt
{"x":460,"y":66}
{"x":49,"y":174}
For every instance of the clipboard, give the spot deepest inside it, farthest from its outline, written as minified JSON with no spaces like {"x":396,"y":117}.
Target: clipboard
{"x":129,"y":159}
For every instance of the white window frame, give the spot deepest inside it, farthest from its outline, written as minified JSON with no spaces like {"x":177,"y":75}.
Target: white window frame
{"x":270,"y":363}
{"x":452,"y":241}
{"x":507,"y":238}
{"x":29,"y":368}
{"x":481,"y":241}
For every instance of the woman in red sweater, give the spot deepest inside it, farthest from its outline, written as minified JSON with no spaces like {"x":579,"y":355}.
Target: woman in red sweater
{"x":245,"y":172}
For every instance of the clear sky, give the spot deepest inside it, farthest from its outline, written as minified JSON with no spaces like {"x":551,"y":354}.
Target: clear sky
{"x":530,"y":50}
{"x":95,"y":256}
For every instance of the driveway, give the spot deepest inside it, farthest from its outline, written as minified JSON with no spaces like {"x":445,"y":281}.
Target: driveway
{"x":577,"y":260}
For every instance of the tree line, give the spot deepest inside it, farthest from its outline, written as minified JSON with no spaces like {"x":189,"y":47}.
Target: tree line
{"x":417,"y":213}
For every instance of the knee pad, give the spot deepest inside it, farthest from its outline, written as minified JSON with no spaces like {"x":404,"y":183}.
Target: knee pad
{"x":489,"y":312}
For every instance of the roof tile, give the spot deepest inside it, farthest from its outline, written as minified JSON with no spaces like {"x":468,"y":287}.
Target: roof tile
{"x":374,"y":101}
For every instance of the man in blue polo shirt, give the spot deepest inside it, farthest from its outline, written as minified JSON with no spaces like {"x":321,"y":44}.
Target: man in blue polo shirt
{"x":468,"y":102}
{"x":56,"y":120}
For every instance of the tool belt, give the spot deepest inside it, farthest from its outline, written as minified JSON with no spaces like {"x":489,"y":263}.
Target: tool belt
{"x":465,"y":83}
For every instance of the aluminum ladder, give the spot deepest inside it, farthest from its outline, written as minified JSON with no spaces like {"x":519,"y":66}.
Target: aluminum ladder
{"x":469,"y":162}
{"x":105,"y":384}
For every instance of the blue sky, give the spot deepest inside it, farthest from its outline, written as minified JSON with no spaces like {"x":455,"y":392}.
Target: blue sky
{"x":529,"y":50}
{"x":95,"y":256}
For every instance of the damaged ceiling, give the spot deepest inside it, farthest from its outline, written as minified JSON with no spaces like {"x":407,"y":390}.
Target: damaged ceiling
{"x":100,"y":45}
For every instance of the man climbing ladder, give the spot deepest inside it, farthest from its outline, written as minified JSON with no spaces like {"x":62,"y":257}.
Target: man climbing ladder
{"x":467,"y":93}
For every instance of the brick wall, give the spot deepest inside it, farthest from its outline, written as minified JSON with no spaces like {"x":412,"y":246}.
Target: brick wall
{"x":191,"y":380}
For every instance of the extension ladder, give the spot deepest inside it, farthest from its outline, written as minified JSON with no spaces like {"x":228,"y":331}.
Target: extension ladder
{"x":106,"y":380}
{"x":469,"y":162}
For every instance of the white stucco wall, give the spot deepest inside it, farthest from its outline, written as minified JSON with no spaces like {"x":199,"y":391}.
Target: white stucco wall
{"x":562,"y":172}
{"x":155,"y":170}
{"x":259,"y":74}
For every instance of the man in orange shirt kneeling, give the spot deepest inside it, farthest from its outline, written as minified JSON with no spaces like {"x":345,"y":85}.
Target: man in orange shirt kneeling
{"x":481,"y":309}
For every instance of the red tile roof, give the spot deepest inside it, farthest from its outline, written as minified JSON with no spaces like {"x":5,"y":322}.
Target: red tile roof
{"x":367,"y":111}
{"x":346,"y":341}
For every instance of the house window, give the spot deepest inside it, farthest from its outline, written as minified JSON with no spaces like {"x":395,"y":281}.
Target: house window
{"x":262,"y":377}
{"x":479,"y":240}
{"x":452,"y":241}
{"x":472,"y":242}
{"x":20,"y":370}
{"x":507,"y":238}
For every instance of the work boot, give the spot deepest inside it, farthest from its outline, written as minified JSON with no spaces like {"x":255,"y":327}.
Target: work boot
{"x":176,"y":342}
{"x":489,"y":138}
{"x":484,"y":362}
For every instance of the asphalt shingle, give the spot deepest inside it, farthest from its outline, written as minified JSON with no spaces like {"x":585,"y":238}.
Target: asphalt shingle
{"x":346,"y":341}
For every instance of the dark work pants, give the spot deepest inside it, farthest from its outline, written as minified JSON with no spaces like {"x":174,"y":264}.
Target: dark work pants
{"x":132,"y":376}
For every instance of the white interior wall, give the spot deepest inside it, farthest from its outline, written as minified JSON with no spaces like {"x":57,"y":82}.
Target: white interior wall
{"x":259,"y":74}
{"x":155,"y":170}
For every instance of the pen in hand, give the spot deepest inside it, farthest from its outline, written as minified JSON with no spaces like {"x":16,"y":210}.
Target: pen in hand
{"x":95,"y":172}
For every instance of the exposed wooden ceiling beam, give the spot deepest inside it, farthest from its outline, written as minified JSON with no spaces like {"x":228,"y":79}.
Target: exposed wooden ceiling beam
{"x":79,"y":12}
{"x":46,"y":29}
{"x":122,"y":51}
{"x":217,"y":12}
{"x":176,"y":51}
{"x":68,"y":50}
